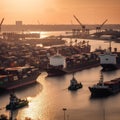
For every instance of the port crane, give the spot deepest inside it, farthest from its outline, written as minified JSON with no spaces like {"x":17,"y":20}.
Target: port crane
{"x":1,"y":24}
{"x":98,"y":29}
{"x":83,"y":26}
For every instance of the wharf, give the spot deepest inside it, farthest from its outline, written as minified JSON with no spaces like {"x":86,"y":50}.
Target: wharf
{"x":113,"y":35}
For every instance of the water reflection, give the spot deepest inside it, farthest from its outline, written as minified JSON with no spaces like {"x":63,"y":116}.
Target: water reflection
{"x":50,"y":95}
{"x":35,"y":88}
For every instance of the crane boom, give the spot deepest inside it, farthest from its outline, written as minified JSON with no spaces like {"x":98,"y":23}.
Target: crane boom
{"x":1,"y":21}
{"x":84,"y":30}
{"x":103,"y":23}
{"x":77,"y":20}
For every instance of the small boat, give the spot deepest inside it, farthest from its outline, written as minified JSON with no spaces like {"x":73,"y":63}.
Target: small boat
{"x":105,"y":88}
{"x":16,"y":103}
{"x":3,"y":117}
{"x":74,"y":85}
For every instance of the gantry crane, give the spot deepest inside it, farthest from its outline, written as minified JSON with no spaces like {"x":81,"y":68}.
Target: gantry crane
{"x":98,"y":29}
{"x":1,"y":24}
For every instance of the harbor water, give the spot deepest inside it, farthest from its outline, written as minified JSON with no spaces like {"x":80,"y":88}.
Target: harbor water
{"x":50,"y":95}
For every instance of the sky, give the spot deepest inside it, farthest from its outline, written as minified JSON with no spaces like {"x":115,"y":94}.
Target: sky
{"x":60,"y":11}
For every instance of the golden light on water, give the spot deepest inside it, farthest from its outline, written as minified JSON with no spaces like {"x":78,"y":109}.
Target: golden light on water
{"x":37,"y":108}
{"x":47,"y":99}
{"x":44,"y":34}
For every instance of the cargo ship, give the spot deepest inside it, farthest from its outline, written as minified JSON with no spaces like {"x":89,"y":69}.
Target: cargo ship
{"x":81,"y":61}
{"x":60,"y":65}
{"x":56,"y":65}
{"x":110,"y":60}
{"x":71,"y":59}
{"x":15,"y":77}
{"x":105,"y":88}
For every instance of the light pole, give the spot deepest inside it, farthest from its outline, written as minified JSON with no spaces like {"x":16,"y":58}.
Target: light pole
{"x":64,"y":109}
{"x":67,"y":117}
{"x":11,"y":112}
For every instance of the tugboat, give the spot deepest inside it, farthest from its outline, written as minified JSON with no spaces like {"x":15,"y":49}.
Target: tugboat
{"x":105,"y":88}
{"x":74,"y":85}
{"x":3,"y":117}
{"x":16,"y":103}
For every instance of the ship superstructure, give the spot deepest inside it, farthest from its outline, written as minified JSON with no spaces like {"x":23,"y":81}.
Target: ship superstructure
{"x":110,"y":60}
{"x":56,"y":65}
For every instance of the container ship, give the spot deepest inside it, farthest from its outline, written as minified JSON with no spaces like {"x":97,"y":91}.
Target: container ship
{"x":105,"y":88}
{"x":60,"y":65}
{"x":56,"y":65}
{"x":71,"y":59}
{"x":15,"y":77}
{"x":81,"y":61}
{"x":110,"y":60}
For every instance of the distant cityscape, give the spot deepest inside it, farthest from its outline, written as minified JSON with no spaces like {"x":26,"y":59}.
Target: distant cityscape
{"x":19,"y":26}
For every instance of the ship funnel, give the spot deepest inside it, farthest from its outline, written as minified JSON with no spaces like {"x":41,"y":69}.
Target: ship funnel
{"x":110,"y":47}
{"x":101,"y":78}
{"x":108,"y":51}
{"x":115,"y":49}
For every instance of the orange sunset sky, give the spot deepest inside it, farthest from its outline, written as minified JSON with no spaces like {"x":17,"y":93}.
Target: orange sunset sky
{"x":60,"y":11}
